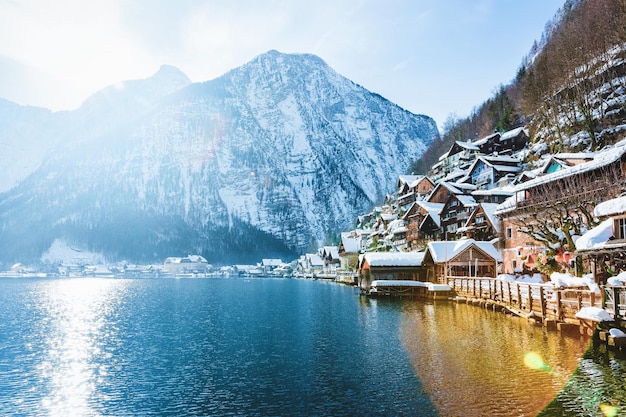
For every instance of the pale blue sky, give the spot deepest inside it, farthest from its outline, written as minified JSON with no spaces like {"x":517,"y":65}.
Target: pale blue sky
{"x":433,"y":57}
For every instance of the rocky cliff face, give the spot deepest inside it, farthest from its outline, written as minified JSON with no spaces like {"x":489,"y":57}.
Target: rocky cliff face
{"x":269,"y":159}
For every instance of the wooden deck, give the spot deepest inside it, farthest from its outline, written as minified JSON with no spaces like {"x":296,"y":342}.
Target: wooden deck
{"x":540,"y":302}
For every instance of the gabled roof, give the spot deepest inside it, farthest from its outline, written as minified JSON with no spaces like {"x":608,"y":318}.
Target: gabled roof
{"x":330,"y":251}
{"x":408,"y":179}
{"x":467,"y":200}
{"x":513,"y":133}
{"x":351,"y":244}
{"x":489,"y":209}
{"x":314,"y":259}
{"x":445,"y":251}
{"x":492,"y":137}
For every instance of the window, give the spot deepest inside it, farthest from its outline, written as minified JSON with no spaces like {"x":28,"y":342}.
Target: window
{"x":621,"y":228}
{"x":509,"y":233}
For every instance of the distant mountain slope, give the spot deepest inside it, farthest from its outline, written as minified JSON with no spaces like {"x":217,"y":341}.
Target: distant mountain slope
{"x":269,"y":159}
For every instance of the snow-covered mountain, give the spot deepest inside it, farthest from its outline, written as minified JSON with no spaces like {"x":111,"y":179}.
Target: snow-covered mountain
{"x":269,"y":159}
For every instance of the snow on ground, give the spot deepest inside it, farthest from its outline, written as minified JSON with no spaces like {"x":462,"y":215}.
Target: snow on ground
{"x":61,"y":252}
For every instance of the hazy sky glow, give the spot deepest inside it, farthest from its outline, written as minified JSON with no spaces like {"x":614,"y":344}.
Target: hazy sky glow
{"x":430,"y":57}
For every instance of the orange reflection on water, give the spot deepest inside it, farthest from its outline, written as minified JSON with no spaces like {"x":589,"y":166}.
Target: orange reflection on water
{"x":476,"y":362}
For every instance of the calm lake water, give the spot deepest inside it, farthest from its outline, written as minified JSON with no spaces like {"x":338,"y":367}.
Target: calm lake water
{"x":267,"y":347}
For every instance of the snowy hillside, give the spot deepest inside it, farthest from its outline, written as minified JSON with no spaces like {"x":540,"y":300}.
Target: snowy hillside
{"x":271,"y":158}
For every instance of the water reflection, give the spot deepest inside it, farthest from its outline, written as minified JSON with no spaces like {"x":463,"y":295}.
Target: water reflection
{"x":74,"y":334}
{"x":475,"y":362}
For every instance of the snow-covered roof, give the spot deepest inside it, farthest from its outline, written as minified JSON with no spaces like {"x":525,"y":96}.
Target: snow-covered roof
{"x":611,"y":207}
{"x":445,"y":251}
{"x":511,"y":133}
{"x":394,"y":258}
{"x":467,"y":200}
{"x":314,"y":259}
{"x":350,"y":244}
{"x":490,"y":212}
{"x":507,"y":168}
{"x":493,"y":191}
{"x":597,"y":237}
{"x":408,"y":179}
{"x":467,"y":145}
{"x":601,"y":159}
{"x":389,"y":216}
{"x":431,"y":208}
{"x":332,"y":251}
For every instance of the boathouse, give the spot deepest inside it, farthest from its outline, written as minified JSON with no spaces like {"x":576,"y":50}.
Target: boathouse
{"x":398,"y":266}
{"x":460,"y":258}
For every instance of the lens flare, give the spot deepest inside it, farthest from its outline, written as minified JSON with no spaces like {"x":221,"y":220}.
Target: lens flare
{"x":534,"y":361}
{"x":609,"y":410}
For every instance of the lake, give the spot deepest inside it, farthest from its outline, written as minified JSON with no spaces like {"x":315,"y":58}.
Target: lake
{"x":265,"y":347}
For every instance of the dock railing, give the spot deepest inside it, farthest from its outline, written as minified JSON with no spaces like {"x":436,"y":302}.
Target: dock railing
{"x":540,"y":300}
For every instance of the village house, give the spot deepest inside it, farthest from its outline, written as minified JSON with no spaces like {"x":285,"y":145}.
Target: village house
{"x":487,"y":171}
{"x":412,"y":188}
{"x":330,"y":257}
{"x":349,"y":249}
{"x":483,"y":224}
{"x":455,"y":213}
{"x":512,"y":141}
{"x":570,"y":192}
{"x":461,"y":258}
{"x":423,"y":223}
{"x":310,"y":264}
{"x":488,"y":144}
{"x":404,"y":266}
{"x":192,"y":264}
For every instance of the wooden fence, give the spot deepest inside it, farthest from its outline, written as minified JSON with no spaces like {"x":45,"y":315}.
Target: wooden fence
{"x":539,"y":300}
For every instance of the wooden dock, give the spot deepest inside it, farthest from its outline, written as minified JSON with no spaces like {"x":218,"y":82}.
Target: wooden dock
{"x":539,"y":302}
{"x":428,"y":290}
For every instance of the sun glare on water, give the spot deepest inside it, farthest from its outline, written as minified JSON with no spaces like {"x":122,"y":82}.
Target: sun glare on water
{"x":74,"y":334}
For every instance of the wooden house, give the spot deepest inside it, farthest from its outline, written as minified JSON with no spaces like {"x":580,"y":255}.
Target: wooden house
{"x":461,"y":258}
{"x":403,"y":266}
{"x":412,"y":188}
{"x":349,"y":249}
{"x":574,"y":190}
{"x":486,"y":171}
{"x":483,"y":224}
{"x":455,"y":213}
{"x":423,"y":223}
{"x":488,"y":144}
{"x":512,"y":141}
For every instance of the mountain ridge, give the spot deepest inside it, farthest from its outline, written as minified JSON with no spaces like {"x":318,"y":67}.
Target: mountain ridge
{"x":273,"y":157}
